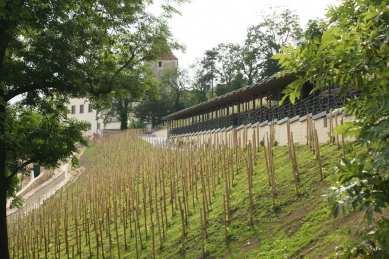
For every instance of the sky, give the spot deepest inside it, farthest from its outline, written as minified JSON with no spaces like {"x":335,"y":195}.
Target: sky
{"x":206,"y":23}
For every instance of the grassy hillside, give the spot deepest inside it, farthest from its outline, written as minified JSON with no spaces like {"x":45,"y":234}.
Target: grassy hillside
{"x":126,"y":178}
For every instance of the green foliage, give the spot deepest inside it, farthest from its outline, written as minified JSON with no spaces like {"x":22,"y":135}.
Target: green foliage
{"x":278,"y":27}
{"x":351,"y":51}
{"x":175,"y":81}
{"x":232,"y":66}
{"x":45,"y":138}
{"x":137,"y":124}
{"x":50,"y":51}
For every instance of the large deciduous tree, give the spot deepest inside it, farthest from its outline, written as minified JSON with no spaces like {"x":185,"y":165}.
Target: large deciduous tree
{"x":57,"y":49}
{"x":278,"y":27}
{"x":176,"y":81}
{"x":229,"y":76}
{"x":209,"y":66}
{"x":173,"y":85}
{"x":351,"y":50}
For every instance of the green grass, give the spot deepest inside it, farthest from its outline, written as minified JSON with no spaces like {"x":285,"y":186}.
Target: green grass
{"x":300,"y":227}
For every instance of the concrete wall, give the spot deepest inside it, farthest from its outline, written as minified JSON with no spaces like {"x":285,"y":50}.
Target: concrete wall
{"x":113,"y":125}
{"x":160,"y":133}
{"x":32,"y":198}
{"x":247,"y":133}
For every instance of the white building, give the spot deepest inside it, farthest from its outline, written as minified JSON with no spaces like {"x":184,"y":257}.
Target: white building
{"x":81,"y":109}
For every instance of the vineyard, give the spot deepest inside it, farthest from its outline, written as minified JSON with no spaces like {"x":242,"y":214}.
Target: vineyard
{"x":138,"y":200}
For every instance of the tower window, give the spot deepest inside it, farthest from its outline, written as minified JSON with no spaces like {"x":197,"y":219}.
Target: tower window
{"x":160,"y":63}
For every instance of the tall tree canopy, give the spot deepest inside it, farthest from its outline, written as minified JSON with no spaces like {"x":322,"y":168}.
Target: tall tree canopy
{"x":55,"y":49}
{"x":173,"y":85}
{"x":351,"y":50}
{"x":232,"y":66}
{"x":278,"y":27}
{"x":209,"y":63}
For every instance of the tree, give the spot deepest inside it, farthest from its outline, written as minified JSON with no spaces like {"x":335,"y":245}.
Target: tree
{"x":229,"y":75}
{"x":278,"y":27}
{"x":141,"y":83}
{"x":137,"y":124}
{"x":60,"y":49}
{"x":353,"y":53}
{"x":200,"y":85}
{"x":208,"y":63}
{"x":42,"y":135}
{"x":152,"y":109}
{"x":175,"y":81}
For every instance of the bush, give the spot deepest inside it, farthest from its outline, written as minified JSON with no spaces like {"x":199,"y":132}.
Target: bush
{"x":137,"y":124}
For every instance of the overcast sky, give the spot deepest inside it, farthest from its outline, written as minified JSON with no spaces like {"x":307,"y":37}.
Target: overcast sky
{"x":206,"y":23}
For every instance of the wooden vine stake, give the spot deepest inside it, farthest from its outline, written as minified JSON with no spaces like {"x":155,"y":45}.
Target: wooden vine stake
{"x":330,"y":128}
{"x":225,"y":217}
{"x":336,"y":125}
{"x":267,"y":165}
{"x":318,"y":155}
{"x":288,"y":133}
{"x":271,"y":167}
{"x":202,"y":232}
{"x":343,"y":149}
{"x":294,"y":164}
{"x":182,"y":221}
{"x":250,"y":181}
{"x":309,"y":131}
{"x":153,"y":238}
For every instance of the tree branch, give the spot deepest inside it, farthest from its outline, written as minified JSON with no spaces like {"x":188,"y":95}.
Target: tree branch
{"x":17,"y":169}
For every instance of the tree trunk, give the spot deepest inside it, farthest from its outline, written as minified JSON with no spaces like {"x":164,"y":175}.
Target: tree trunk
{"x":123,"y":113}
{"x":177,"y":101}
{"x":123,"y":120}
{"x":4,"y":252}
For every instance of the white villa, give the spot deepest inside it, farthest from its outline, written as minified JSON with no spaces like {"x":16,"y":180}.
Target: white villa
{"x":81,"y":109}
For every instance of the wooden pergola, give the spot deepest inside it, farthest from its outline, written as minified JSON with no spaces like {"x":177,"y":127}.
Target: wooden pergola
{"x":258,"y":103}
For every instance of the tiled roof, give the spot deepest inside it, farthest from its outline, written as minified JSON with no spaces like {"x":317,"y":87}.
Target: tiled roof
{"x":169,"y":57}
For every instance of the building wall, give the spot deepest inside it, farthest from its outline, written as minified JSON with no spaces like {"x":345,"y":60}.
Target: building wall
{"x":85,"y":115}
{"x":162,"y":64}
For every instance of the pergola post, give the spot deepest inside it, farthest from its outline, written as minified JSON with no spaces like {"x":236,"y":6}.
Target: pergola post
{"x":268,"y":97}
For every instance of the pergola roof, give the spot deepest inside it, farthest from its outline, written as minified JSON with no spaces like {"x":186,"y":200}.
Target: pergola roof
{"x":237,"y":96}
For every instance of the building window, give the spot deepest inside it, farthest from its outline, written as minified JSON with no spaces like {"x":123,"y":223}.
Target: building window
{"x":73,"y":109}
{"x":98,"y":125}
{"x":160,"y":63}
{"x":89,"y":107}
{"x":325,"y":122}
{"x":81,"y":108}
